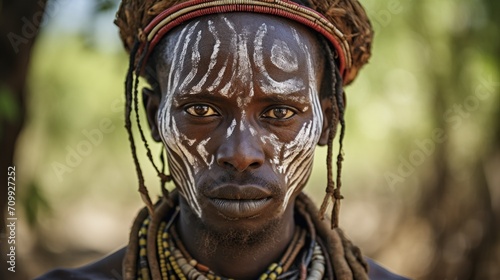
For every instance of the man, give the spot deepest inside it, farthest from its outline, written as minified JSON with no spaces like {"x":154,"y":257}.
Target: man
{"x":241,"y":93}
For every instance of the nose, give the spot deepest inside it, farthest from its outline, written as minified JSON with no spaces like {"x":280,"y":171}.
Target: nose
{"x":241,"y":151}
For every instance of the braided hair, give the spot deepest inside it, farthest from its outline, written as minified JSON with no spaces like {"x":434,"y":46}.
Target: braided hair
{"x":336,"y":116}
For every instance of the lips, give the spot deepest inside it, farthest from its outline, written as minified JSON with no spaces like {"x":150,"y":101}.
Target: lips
{"x":237,"y":201}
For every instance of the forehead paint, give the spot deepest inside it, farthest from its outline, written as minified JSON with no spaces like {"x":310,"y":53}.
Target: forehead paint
{"x":233,"y":38}
{"x":195,"y":60}
{"x":291,"y":159}
{"x":269,"y":85}
{"x":283,"y":58}
{"x":213,"y":60}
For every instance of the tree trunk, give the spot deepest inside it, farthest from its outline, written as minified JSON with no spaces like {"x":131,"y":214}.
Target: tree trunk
{"x":19,"y":25}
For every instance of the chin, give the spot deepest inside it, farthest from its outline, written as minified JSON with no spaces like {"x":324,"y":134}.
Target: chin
{"x":220,"y":230}
{"x":242,"y":232}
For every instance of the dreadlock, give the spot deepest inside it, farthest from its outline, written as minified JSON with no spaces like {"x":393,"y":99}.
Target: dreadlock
{"x":131,"y":94}
{"x":336,"y":116}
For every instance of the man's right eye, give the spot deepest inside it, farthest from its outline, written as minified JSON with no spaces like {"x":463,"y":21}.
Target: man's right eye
{"x":200,"y":110}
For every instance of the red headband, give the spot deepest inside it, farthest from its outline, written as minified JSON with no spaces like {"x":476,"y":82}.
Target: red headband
{"x":185,"y":11}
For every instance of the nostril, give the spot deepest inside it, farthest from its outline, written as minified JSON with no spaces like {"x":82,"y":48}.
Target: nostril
{"x":240,"y":155}
{"x":241,"y":165}
{"x":255,"y":165}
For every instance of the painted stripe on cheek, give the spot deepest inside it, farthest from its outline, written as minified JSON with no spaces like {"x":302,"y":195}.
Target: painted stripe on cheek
{"x":202,"y":151}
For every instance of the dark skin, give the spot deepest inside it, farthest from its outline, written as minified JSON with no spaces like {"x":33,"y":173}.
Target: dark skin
{"x":233,"y":242}
{"x":260,"y":238}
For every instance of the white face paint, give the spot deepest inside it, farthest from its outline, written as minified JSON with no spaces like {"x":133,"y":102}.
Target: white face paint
{"x":269,"y":85}
{"x":283,"y":58}
{"x":240,"y":70}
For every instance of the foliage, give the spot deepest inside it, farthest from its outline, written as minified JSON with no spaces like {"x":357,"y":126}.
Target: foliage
{"x":35,"y":204}
{"x":9,"y":110}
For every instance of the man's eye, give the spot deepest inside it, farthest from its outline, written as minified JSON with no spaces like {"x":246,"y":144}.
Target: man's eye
{"x":201,"y":111}
{"x":279,"y":113}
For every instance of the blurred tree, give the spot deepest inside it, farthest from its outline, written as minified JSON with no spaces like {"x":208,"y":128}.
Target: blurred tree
{"x":457,"y":201}
{"x":19,"y":24}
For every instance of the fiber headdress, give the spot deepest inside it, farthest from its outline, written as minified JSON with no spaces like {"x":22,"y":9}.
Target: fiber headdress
{"x":343,"y":22}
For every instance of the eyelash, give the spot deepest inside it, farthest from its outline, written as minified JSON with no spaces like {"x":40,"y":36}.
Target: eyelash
{"x":290,"y":112}
{"x":190,"y":109}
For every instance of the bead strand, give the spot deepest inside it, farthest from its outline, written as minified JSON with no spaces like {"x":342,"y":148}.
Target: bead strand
{"x":176,"y":263}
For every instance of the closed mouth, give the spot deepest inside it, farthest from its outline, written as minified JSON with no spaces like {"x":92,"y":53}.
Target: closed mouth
{"x":239,"y":201}
{"x":240,"y":208}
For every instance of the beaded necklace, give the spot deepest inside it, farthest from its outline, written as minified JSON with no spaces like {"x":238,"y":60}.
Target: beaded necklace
{"x":298,"y":262}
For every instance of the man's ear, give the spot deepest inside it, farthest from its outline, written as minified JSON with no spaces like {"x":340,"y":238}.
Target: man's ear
{"x":327,"y":109}
{"x":151,"y":100}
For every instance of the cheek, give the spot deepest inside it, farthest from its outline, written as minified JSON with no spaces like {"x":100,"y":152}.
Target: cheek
{"x":183,"y":155}
{"x":294,"y":159}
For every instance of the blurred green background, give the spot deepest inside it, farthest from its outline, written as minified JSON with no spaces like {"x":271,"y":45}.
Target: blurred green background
{"x":421,"y":176}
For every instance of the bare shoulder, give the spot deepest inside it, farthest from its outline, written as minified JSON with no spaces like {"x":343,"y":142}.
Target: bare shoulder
{"x":107,"y":268}
{"x":377,"y":272}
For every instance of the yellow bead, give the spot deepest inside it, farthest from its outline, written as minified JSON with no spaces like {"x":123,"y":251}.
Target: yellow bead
{"x":272,"y":266}
{"x":142,"y":252}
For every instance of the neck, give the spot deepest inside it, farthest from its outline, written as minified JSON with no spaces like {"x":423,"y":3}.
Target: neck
{"x":231,"y":249}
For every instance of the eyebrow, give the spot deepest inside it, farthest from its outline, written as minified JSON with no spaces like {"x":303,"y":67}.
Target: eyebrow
{"x":187,"y":95}
{"x":291,"y":97}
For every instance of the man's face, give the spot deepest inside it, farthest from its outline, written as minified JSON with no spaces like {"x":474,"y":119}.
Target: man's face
{"x":240,"y":113}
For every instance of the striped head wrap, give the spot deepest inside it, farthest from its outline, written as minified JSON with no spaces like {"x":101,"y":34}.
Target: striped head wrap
{"x":342,"y":22}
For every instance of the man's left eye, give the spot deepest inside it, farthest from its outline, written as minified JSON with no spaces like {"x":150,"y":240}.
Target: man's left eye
{"x":200,"y":110}
{"x":281,"y":113}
